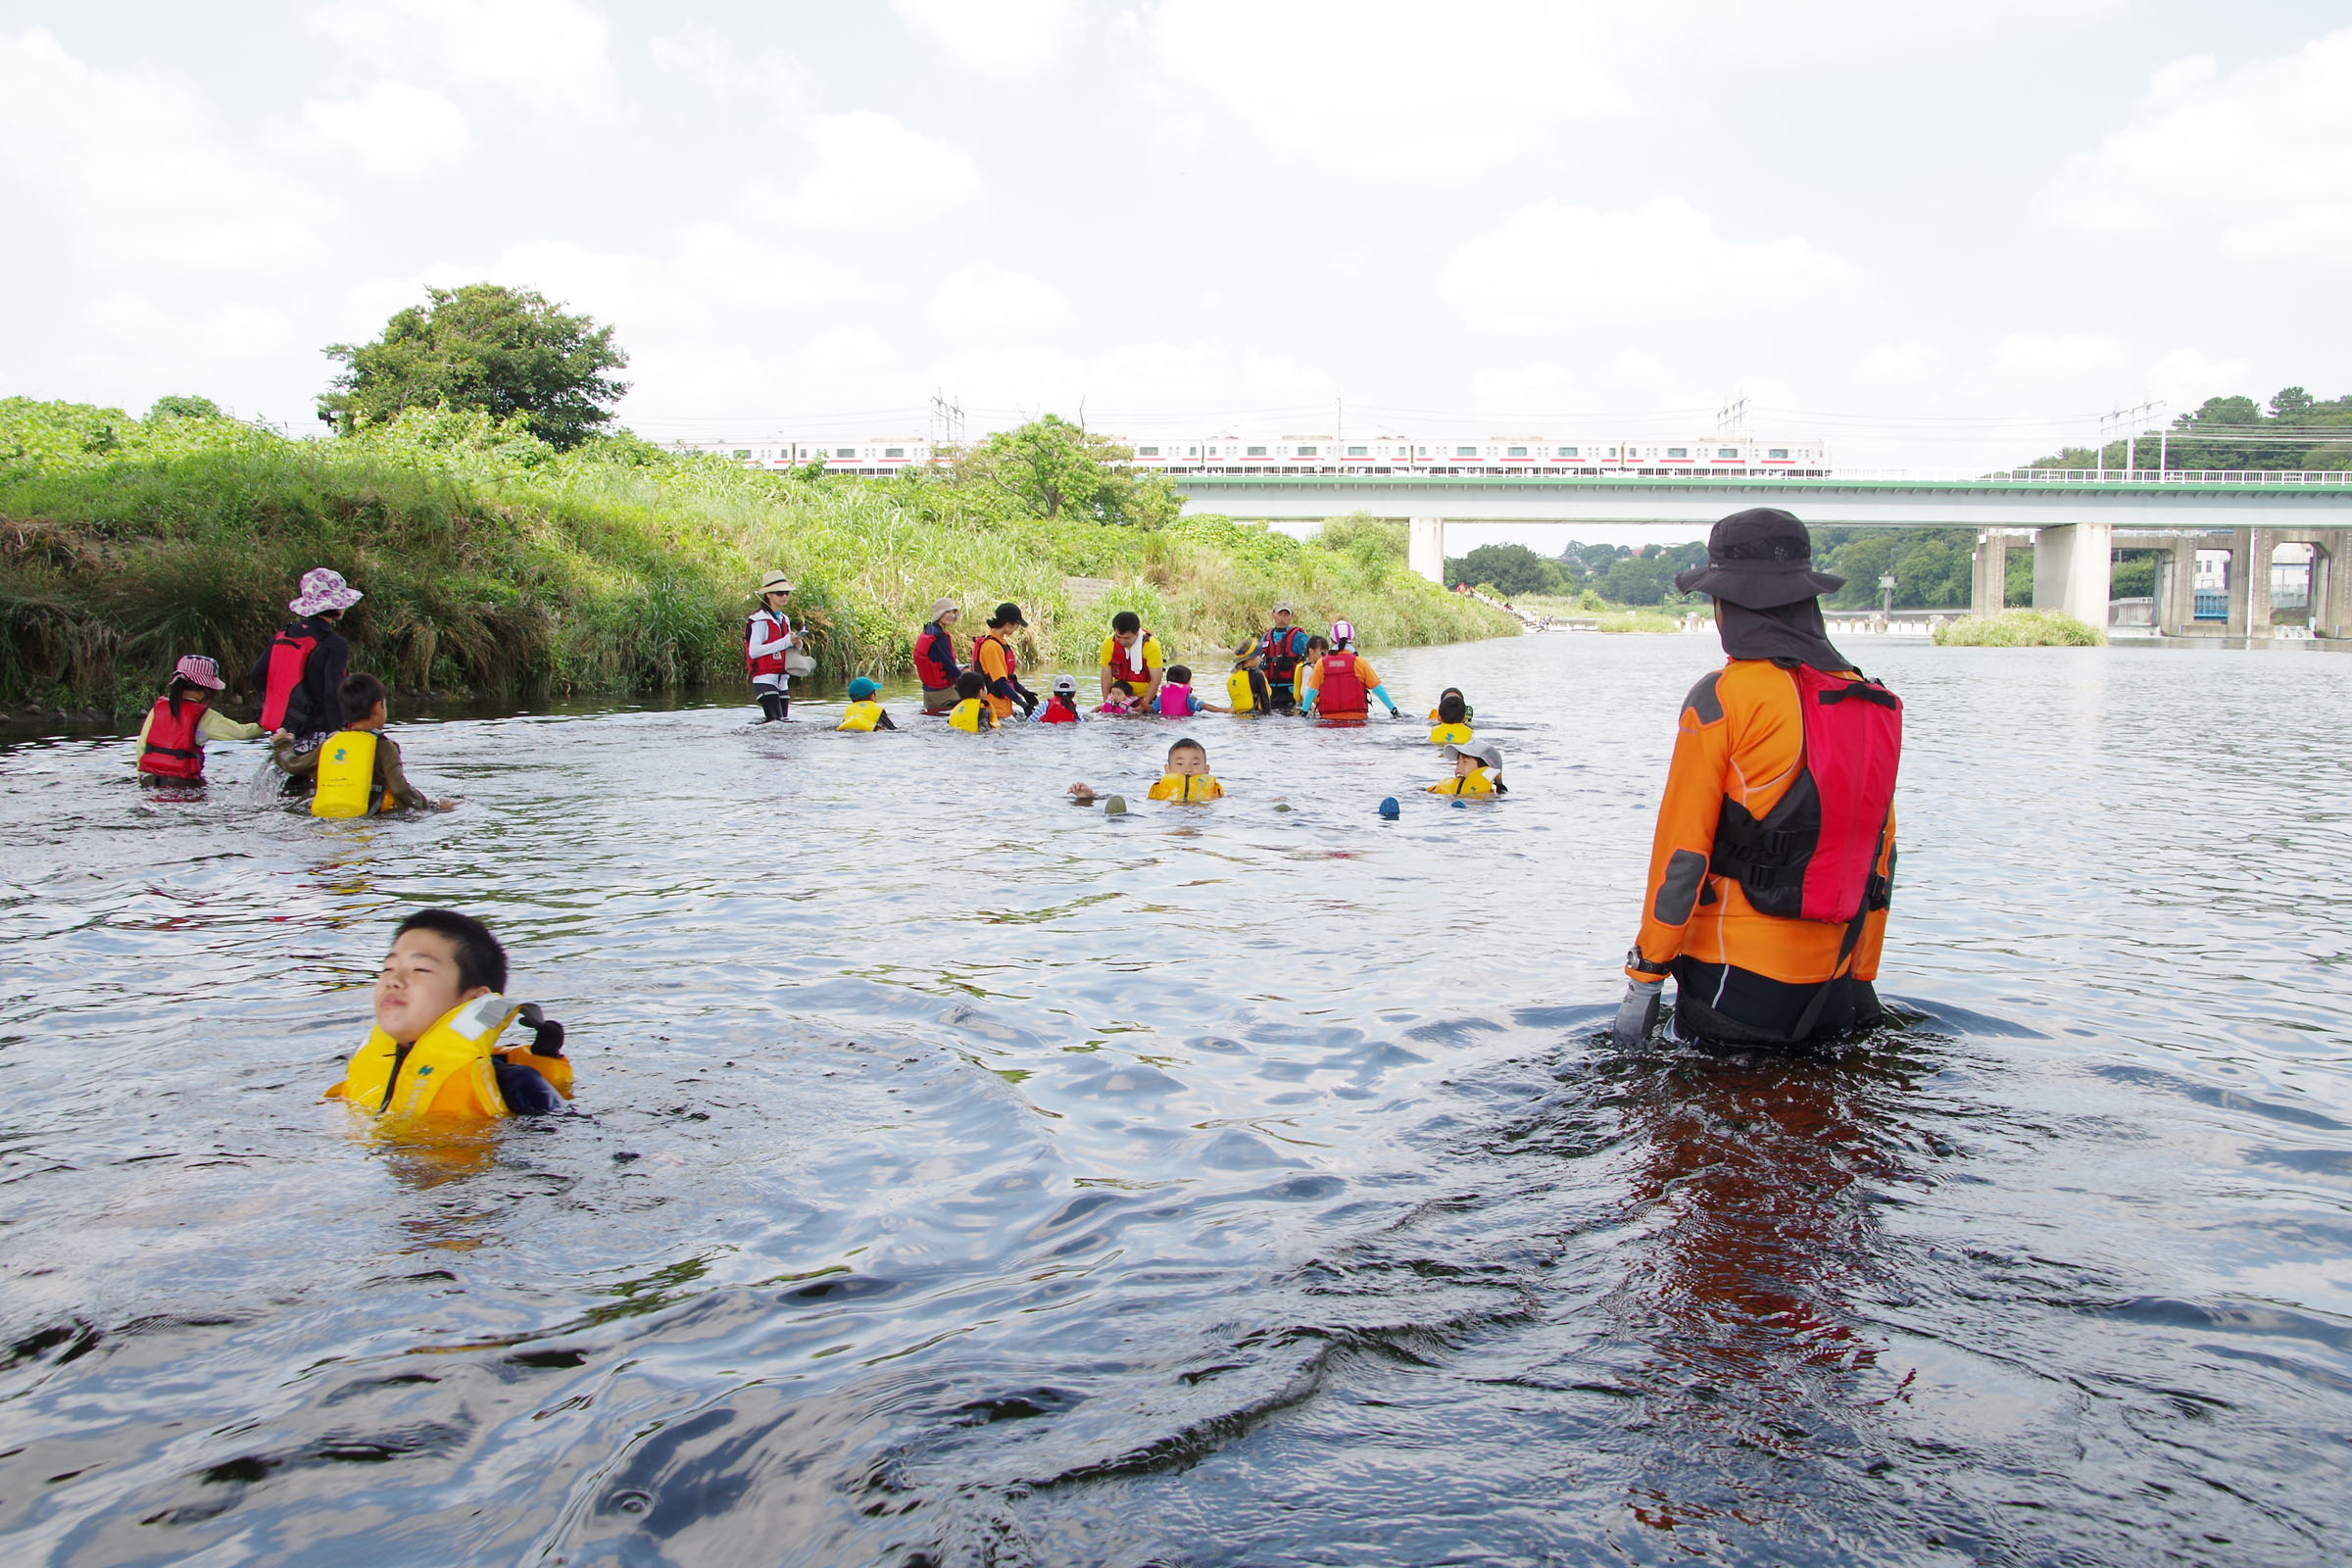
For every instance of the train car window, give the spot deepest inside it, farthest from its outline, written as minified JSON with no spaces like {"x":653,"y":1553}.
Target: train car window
{"x":845,"y":452}
{"x":1257,"y":452}
{"x":1516,"y":452}
{"x":894,"y":452}
{"x":1306,"y":452}
{"x":1776,"y":452}
{"x":1567,"y":451}
{"x":1146,"y":451}
{"x":1727,"y":451}
{"x":1678,"y":452}
{"x":741,"y":453}
{"x":1465,"y":452}
{"x":1359,"y":452}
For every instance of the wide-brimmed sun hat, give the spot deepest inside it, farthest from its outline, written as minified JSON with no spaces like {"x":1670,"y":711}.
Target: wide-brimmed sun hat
{"x":1486,"y":752}
{"x":944,"y":607}
{"x":200,"y":670}
{"x":1761,"y":559}
{"x":775,"y":582}
{"x":322,"y":589}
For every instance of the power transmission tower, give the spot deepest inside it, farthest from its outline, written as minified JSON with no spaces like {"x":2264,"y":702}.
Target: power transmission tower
{"x":1732,"y":418}
{"x":946,"y":421}
{"x":2129,"y":420}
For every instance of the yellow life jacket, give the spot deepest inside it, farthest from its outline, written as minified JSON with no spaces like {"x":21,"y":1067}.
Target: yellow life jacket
{"x":965,"y":716}
{"x":1480,"y":781}
{"x":347,"y":776}
{"x":1186,"y":787}
{"x":1239,"y":690}
{"x":1449,"y":734}
{"x":446,"y":1076}
{"x":859,"y":716}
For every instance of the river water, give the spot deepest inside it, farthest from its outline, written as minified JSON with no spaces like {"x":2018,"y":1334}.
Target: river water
{"x":966,"y":1177}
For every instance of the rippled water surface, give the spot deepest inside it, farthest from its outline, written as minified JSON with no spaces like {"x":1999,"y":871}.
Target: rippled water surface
{"x":965,"y":1177}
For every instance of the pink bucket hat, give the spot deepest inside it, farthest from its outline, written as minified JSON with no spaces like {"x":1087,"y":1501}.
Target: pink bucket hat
{"x":200,"y":670}
{"x":324,"y":588}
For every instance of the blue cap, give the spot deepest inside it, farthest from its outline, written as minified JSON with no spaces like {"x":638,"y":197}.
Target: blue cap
{"x":1390,"y":810}
{"x":860,"y":689}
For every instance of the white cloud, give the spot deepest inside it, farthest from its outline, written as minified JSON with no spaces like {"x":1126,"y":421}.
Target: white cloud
{"x":547,"y":55}
{"x":871,"y":176}
{"x":1397,"y":90}
{"x":2185,"y":378}
{"x":988,"y":304}
{"x":1898,"y":367}
{"x":1010,"y":40}
{"x":1555,"y":267}
{"x":198,"y":340}
{"x":139,"y":163}
{"x":2258,"y":156}
{"x":2046,"y":370}
{"x":397,"y":132}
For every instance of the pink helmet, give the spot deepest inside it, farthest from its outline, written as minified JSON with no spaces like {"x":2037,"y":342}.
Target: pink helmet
{"x":1343,"y":632}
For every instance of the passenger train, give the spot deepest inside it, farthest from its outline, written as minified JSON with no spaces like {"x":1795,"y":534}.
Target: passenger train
{"x":1715,"y":456}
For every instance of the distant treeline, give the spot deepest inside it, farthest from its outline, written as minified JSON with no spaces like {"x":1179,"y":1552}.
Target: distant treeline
{"x":2232,"y":433}
{"x":1932,"y":569}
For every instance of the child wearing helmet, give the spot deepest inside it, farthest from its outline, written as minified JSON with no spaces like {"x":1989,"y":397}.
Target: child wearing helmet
{"x":171,"y":746}
{"x":1062,"y":707}
{"x":1340,"y":683}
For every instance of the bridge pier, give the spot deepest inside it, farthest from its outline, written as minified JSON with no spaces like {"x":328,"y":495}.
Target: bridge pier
{"x":2177,"y":589}
{"x":1989,"y":578}
{"x":1425,"y":548}
{"x":2072,"y":570}
{"x":2331,"y":587}
{"x":2248,"y":606}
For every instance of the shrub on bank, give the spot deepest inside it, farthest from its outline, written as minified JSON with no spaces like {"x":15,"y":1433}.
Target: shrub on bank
{"x":2019,"y":628}
{"x":493,"y":562}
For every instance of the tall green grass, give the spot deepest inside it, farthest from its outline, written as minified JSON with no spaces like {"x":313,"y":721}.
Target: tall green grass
{"x":493,"y":565}
{"x":2019,"y":628}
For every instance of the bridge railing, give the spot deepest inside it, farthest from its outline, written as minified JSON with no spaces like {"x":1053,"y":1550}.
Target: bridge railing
{"x":2137,"y":478}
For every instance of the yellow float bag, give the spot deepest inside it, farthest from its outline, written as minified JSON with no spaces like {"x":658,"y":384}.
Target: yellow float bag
{"x":446,"y":1075}
{"x":347,"y":776}
{"x":859,"y":716}
{"x":1186,"y":787}
{"x":1480,"y":782}
{"x":965,"y":716}
{"x":1449,"y":734}
{"x":1241,"y":693}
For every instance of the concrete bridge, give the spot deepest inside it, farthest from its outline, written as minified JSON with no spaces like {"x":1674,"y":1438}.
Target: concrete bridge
{"x":2073,"y":521}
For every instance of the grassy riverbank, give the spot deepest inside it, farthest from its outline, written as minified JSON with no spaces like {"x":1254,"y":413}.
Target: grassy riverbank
{"x":495,"y":565}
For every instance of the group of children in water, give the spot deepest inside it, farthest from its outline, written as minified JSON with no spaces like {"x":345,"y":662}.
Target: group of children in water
{"x":327,"y":728}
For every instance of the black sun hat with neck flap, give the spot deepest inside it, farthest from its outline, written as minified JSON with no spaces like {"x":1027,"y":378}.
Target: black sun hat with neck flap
{"x":1762,"y":559}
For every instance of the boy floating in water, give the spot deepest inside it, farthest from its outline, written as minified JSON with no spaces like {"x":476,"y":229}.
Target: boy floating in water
{"x":1188,"y":778}
{"x":357,"y":769}
{"x":438,"y":1016}
{"x":864,"y":714}
{"x":1477,"y":770}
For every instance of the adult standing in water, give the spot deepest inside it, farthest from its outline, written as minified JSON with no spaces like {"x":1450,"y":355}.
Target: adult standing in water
{"x":1773,"y":864}
{"x":1284,"y":648}
{"x":935,"y":656}
{"x":767,"y":638}
{"x":1000,"y":666}
{"x":300,"y":676}
{"x":1132,"y":654}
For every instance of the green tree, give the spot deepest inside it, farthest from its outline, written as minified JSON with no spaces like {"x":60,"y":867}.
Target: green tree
{"x":180,"y":408}
{"x":1051,"y":468}
{"x":1374,"y":541}
{"x":504,"y":352}
{"x":1510,"y":570}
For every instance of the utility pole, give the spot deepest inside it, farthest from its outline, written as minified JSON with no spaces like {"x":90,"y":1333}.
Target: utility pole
{"x":2129,"y":420}
{"x":946,"y":421}
{"x":1732,"y":418}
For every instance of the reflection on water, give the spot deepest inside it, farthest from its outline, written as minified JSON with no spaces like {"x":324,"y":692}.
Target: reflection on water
{"x":968,"y":1178}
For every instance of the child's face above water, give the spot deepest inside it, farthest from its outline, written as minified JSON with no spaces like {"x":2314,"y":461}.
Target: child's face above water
{"x":418,"y":984}
{"x":1465,"y":764}
{"x":1188,"y":761}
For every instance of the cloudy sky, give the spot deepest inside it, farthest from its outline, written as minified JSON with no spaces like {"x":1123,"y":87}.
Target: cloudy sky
{"x":1937,"y":234}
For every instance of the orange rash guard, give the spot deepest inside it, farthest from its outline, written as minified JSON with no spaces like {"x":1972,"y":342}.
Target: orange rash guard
{"x":1742,"y":736}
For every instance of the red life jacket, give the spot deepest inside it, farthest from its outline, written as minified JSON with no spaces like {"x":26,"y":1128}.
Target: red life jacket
{"x":935,"y":675}
{"x":172,"y":748}
{"x":1814,"y":855}
{"x":765,"y":663}
{"x":289,"y":653}
{"x":1340,"y":690}
{"x":1058,"y":710}
{"x":1282,"y":647}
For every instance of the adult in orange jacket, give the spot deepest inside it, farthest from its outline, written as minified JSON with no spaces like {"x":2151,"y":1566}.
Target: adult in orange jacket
{"x":1773,"y":858}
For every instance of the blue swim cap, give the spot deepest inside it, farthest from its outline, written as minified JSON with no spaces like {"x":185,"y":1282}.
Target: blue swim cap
{"x":1390,"y":810}
{"x":860,"y":689}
